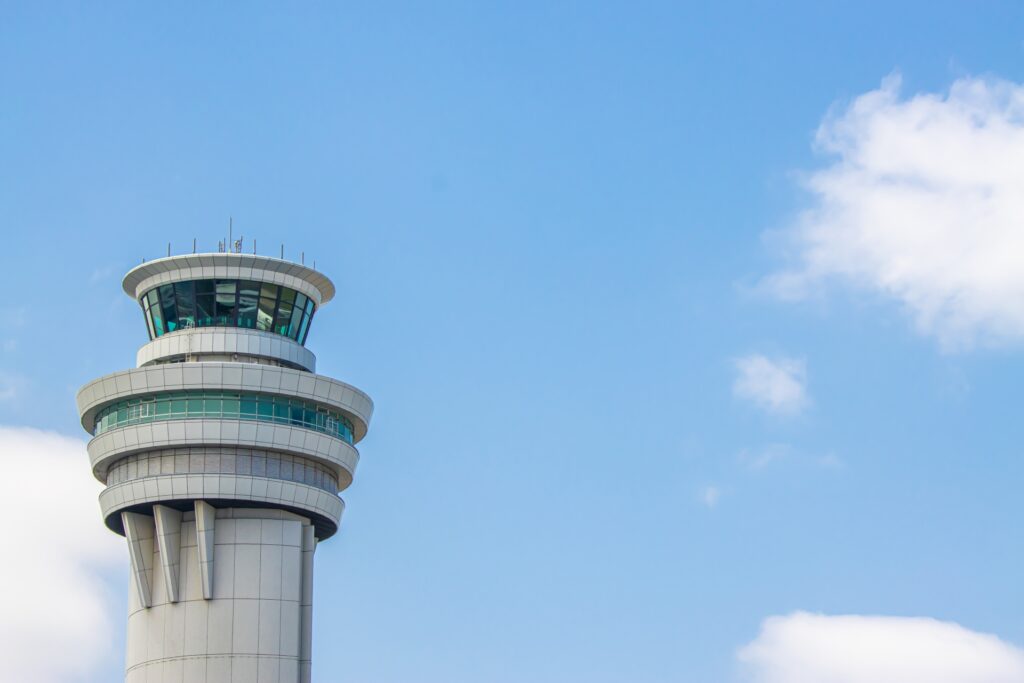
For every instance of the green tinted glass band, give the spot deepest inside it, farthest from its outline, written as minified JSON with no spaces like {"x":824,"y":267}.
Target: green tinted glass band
{"x":181,"y":405}
{"x":227,"y":303}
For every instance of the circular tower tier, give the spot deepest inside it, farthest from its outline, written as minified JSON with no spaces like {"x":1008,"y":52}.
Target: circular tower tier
{"x":256,"y":434}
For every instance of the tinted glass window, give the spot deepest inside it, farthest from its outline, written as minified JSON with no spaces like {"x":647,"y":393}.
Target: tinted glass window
{"x":149,"y":319}
{"x":170,"y":310}
{"x":226,"y":302}
{"x":268,"y":304}
{"x":229,"y":303}
{"x":305,"y":328}
{"x":284,"y":311}
{"x":204,"y":302}
{"x":156,"y":313}
{"x":185,"y":298}
{"x":299,"y":307}
{"x":248,"y":298}
{"x":178,"y":405}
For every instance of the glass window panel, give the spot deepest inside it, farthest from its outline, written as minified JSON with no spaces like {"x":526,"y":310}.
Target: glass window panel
{"x":303,"y":326}
{"x":268,"y":291}
{"x":226,"y":302}
{"x":296,"y":324}
{"x":266,"y":408}
{"x":149,"y":321}
{"x":248,"y":297}
{"x":169,"y":308}
{"x":284,"y":316}
{"x":178,"y":406}
{"x":185,"y":298}
{"x":212,"y":406}
{"x":265,"y":314}
{"x":205,"y":298}
{"x":307,"y":322}
{"x":155,"y":313}
{"x":195,"y":407}
{"x":293,"y":326}
{"x":248,"y":406}
{"x":230,"y":407}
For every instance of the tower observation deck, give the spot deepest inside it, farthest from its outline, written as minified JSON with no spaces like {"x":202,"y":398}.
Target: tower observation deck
{"x":223,"y":454}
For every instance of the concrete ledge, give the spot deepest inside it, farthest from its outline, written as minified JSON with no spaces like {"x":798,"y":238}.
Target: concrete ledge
{"x":114,"y":444}
{"x":226,"y":340}
{"x":221,"y":490}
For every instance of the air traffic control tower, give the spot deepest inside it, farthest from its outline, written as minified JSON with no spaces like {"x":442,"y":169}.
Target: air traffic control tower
{"x":222,"y":454}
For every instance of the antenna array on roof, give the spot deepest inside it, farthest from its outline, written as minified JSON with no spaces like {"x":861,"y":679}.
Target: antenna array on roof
{"x":229,"y":245}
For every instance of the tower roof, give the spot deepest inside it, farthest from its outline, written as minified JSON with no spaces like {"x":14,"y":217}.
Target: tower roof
{"x":228,"y":265}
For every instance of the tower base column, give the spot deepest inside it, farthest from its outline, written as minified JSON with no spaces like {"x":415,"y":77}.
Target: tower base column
{"x":253,"y":629}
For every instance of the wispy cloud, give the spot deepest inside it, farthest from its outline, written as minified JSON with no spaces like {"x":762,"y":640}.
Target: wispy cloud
{"x":709,"y":496}
{"x":59,"y":548}
{"x":921,"y":203}
{"x":778,"y":386}
{"x":814,"y":648}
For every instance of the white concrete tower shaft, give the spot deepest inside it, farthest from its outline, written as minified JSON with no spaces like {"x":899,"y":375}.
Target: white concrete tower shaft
{"x":223,"y":454}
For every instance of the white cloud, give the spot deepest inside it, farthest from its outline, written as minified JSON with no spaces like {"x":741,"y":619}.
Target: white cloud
{"x":922,"y":203}
{"x":778,"y":386}
{"x":709,"y":496}
{"x":56,"y":624}
{"x":813,"y":648}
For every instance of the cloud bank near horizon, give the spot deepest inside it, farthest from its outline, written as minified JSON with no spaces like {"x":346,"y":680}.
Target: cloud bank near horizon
{"x":921,"y":203}
{"x":56,"y":626}
{"x":815,"y":648}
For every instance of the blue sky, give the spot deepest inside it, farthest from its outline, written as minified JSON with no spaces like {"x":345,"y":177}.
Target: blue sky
{"x":653,"y":362}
